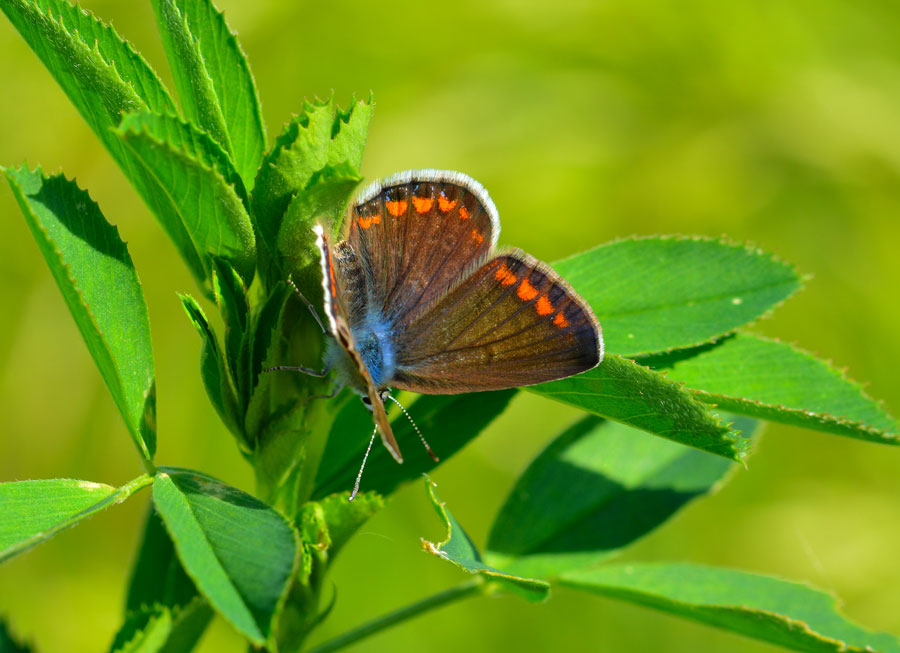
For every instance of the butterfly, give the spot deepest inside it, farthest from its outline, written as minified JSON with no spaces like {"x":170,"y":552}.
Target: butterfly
{"x":419,"y":298}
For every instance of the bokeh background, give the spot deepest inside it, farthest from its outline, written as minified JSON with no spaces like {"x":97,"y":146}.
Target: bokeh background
{"x":772,"y":122}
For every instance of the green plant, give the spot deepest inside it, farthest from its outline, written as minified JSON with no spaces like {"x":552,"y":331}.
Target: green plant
{"x":240,"y":216}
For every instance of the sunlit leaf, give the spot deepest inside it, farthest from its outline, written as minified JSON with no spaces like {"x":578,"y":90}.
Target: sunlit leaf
{"x":777,"y":611}
{"x":94,"y":272}
{"x":772,"y":380}
{"x":34,"y":511}
{"x":660,"y":293}
{"x":217,"y":90}
{"x":624,"y":391}
{"x":240,"y":553}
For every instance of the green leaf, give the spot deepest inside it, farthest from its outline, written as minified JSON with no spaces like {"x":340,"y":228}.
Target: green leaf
{"x":344,"y":517}
{"x":458,"y":549}
{"x":214,"y":371}
{"x":323,"y":199}
{"x":449,"y":422}
{"x":94,"y":272}
{"x":10,"y":644}
{"x":240,"y":553}
{"x":163,"y":610}
{"x":214,"y":82}
{"x":626,"y":392}
{"x":781,"y":612}
{"x":34,"y":511}
{"x":104,"y":78}
{"x":664,"y":292}
{"x":188,"y":180}
{"x":597,"y":488}
{"x":231,"y":298}
{"x":318,"y":137}
{"x":163,"y":629}
{"x":772,"y":380}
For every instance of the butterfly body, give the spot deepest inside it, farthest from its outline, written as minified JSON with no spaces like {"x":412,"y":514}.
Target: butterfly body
{"x":417,"y":298}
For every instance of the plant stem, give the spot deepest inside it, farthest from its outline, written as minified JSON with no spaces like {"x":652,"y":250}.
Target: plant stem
{"x":383,"y":623}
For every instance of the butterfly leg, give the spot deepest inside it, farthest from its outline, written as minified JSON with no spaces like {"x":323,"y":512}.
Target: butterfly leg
{"x":319,"y":374}
{"x":312,"y":309}
{"x":330,"y":395}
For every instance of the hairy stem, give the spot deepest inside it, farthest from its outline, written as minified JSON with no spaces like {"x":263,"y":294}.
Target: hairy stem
{"x":384,"y":622}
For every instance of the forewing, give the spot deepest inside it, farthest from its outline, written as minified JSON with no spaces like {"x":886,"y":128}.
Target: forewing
{"x":416,"y":234}
{"x":513,"y":322}
{"x":338,"y":282}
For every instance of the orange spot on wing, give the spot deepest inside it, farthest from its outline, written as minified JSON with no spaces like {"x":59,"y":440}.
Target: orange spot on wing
{"x":477,"y":237}
{"x":505,"y":276}
{"x":526,"y":291}
{"x":365,"y":223}
{"x":560,"y":321}
{"x":397,"y":207}
{"x":446,"y":205}
{"x":422,"y":204}
{"x":544,"y":307}
{"x":463,"y":213}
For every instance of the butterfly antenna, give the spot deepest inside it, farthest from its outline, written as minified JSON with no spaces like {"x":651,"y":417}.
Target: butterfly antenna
{"x":421,"y":437}
{"x":312,"y":309}
{"x":363,"y":466}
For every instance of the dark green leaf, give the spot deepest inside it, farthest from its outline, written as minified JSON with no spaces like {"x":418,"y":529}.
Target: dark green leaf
{"x":163,"y":629}
{"x":458,"y":549}
{"x":34,"y":511}
{"x":188,"y":180}
{"x":240,"y":553}
{"x":449,"y":422}
{"x":772,"y":380}
{"x":317,"y":138}
{"x":660,"y":293}
{"x":94,"y":272}
{"x":596,"y":489}
{"x":231,"y":297}
{"x":214,"y":371}
{"x":624,"y":391}
{"x":217,"y":90}
{"x":781,"y":612}
{"x":8,"y":643}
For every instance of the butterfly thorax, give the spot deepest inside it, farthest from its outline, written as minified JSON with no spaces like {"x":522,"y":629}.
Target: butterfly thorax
{"x":375,"y":344}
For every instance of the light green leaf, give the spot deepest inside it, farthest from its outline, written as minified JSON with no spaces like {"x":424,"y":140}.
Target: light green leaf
{"x":770,"y":609}
{"x":34,"y":511}
{"x":449,"y":422}
{"x":214,"y":82}
{"x":458,"y":549}
{"x":597,"y":488}
{"x":104,"y":78}
{"x":94,"y":272}
{"x":240,"y":553}
{"x":318,"y":137}
{"x":214,"y":371}
{"x":344,"y":517}
{"x":163,"y":629}
{"x":626,"y":392}
{"x":772,"y":380}
{"x":664,"y":292}
{"x":188,"y":180}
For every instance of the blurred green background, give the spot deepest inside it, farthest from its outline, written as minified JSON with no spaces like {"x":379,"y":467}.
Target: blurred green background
{"x":772,"y":122}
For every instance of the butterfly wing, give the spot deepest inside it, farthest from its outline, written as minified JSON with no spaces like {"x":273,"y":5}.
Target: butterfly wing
{"x":341,"y":281}
{"x":512,"y":322}
{"x":416,"y":235}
